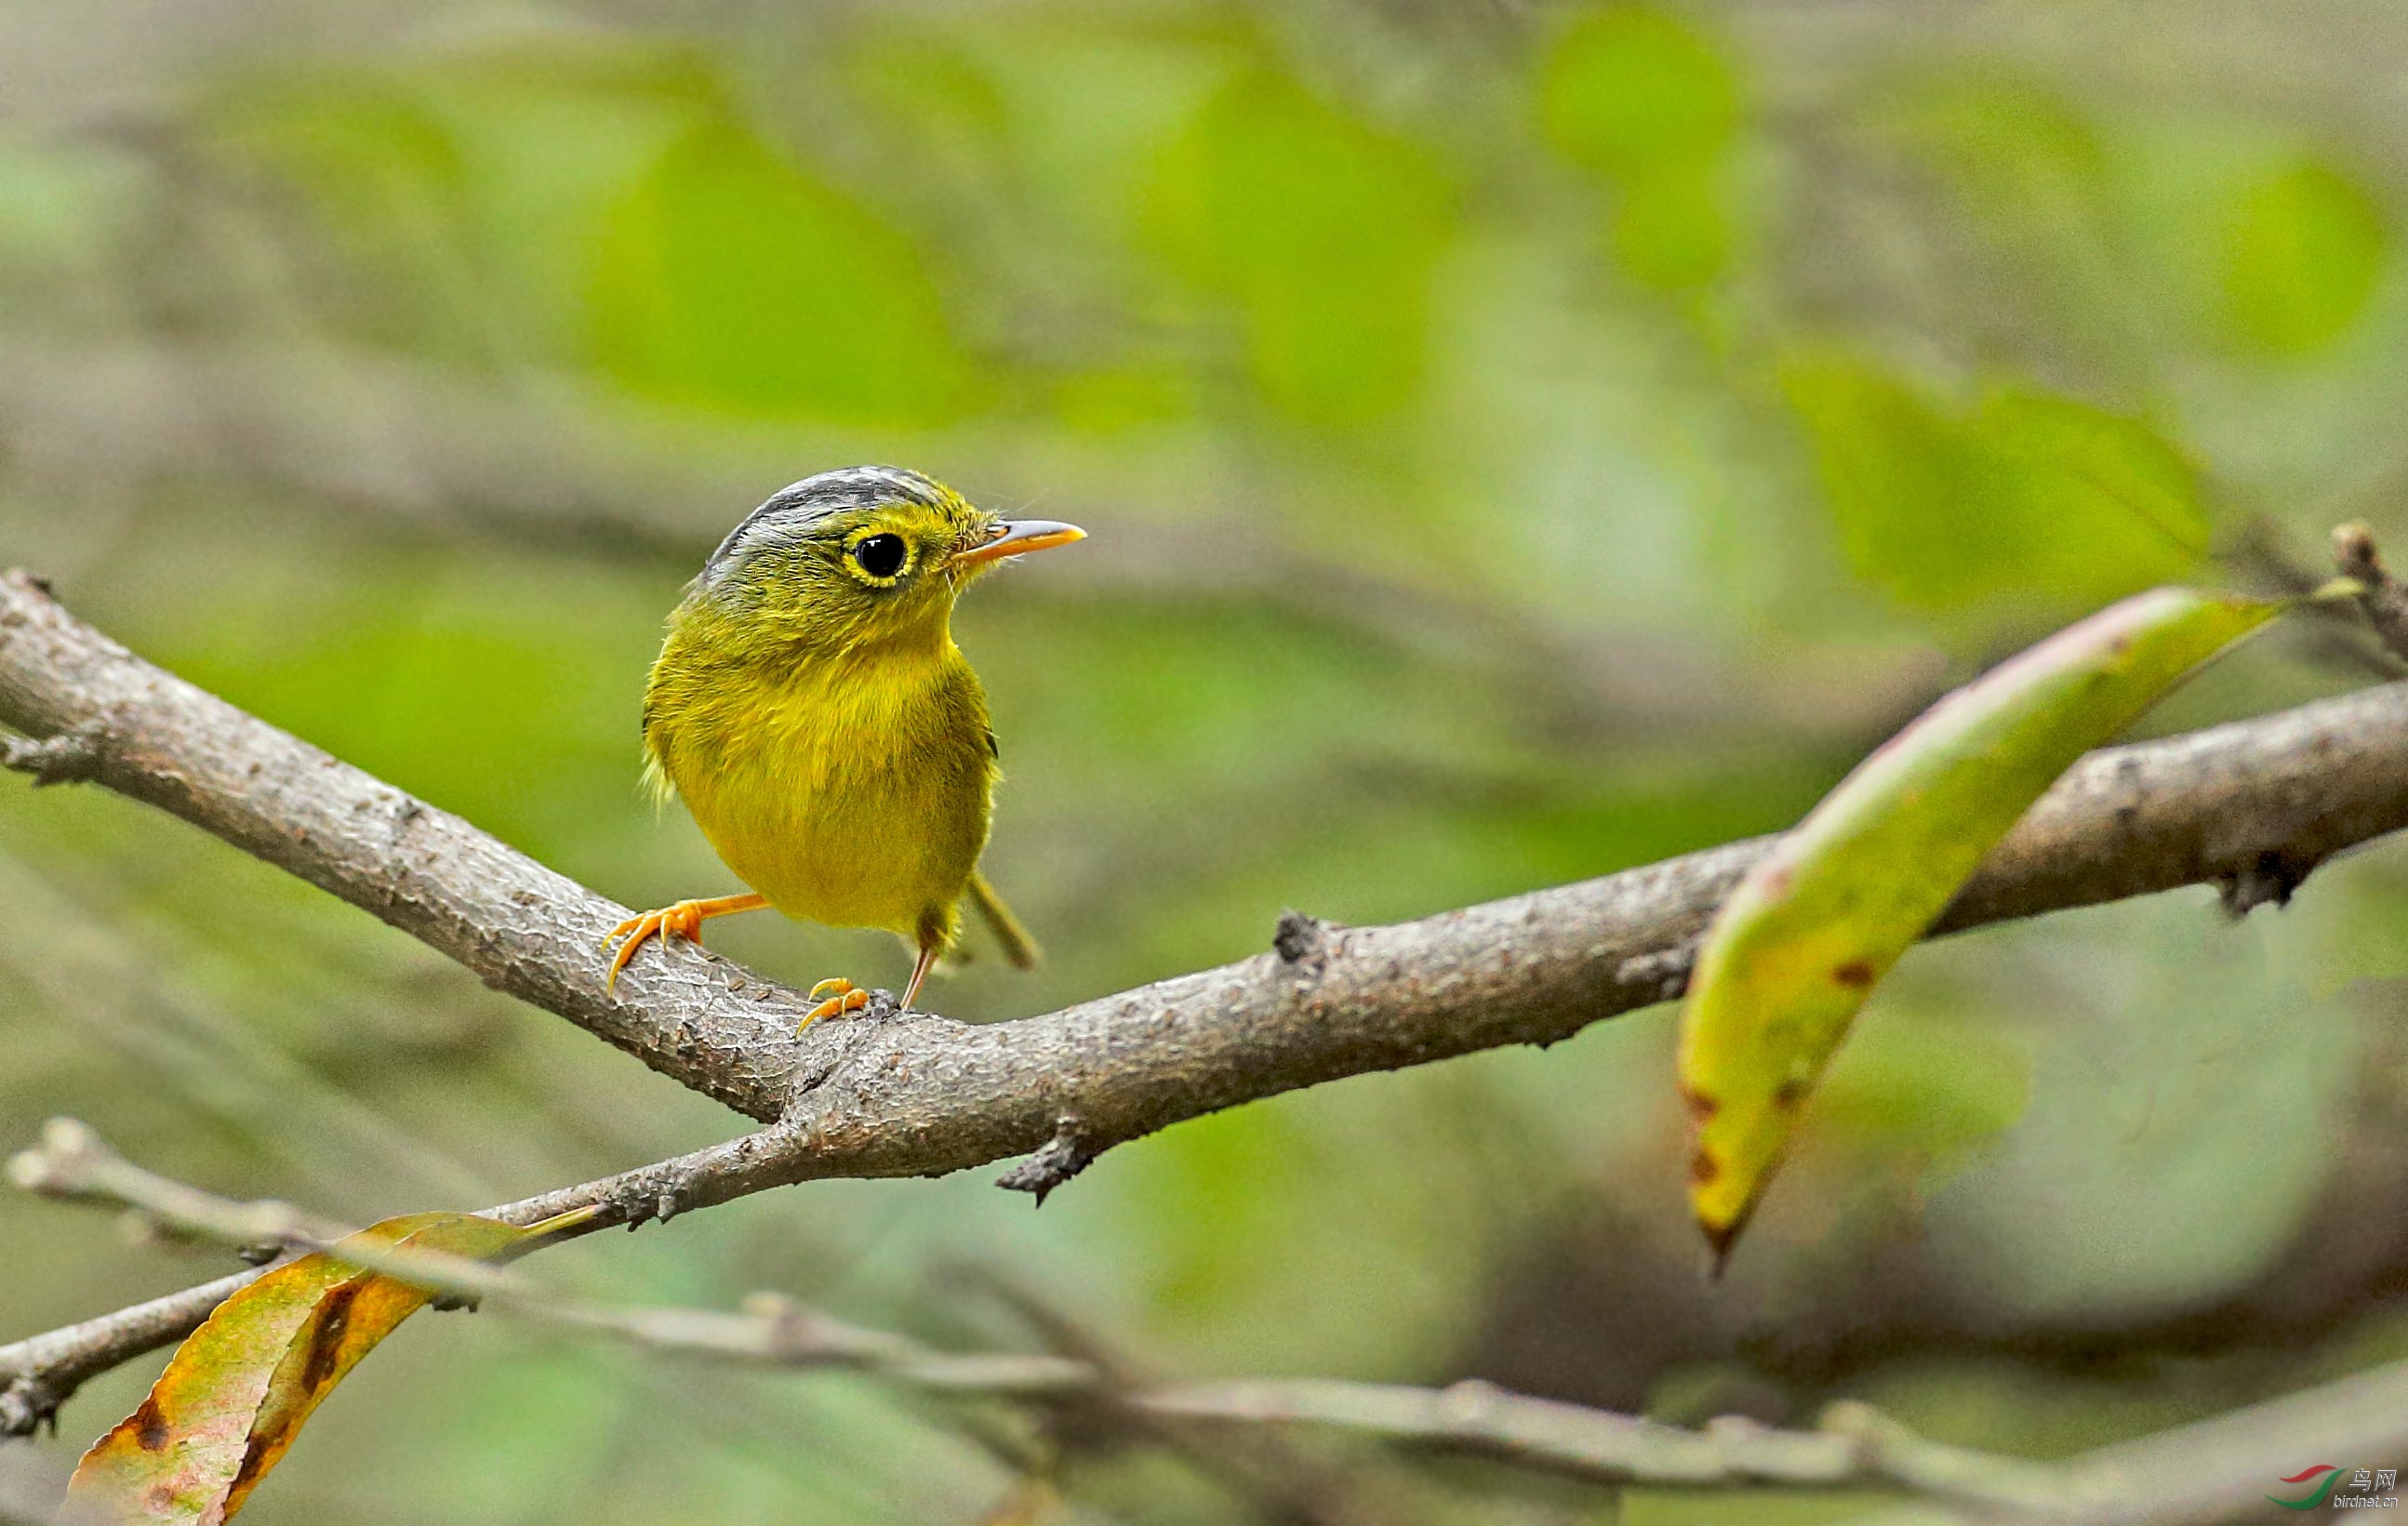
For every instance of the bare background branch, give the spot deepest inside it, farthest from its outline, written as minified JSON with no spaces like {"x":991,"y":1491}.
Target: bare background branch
{"x":2180,"y":1474}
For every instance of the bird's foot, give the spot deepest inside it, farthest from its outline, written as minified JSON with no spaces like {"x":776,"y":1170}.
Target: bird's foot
{"x":842,"y":995}
{"x":682,"y":921}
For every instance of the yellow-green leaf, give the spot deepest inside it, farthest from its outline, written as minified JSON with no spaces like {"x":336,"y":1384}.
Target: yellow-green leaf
{"x":1795,"y":951}
{"x":1629,"y":87}
{"x":2303,"y":250}
{"x":731,"y":279}
{"x":1649,"y":102}
{"x":239,"y":1388}
{"x":2053,"y":501}
{"x":1319,"y":229}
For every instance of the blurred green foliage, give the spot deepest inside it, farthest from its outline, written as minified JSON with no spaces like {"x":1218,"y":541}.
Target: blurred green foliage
{"x":1318,"y":231}
{"x":1650,"y":103}
{"x":1517,"y":445}
{"x":2305,"y":249}
{"x":2023,"y":496}
{"x":729,"y":278}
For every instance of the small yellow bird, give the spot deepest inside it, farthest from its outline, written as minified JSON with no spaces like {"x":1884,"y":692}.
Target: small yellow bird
{"x":812,"y":709}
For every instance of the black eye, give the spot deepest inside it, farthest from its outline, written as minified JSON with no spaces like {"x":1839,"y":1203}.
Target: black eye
{"x":881,"y":556}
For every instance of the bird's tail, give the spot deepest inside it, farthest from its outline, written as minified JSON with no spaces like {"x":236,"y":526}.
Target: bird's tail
{"x":1018,"y":947}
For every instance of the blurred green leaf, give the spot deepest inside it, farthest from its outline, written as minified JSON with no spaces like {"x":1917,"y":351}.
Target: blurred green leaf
{"x":1628,"y":89}
{"x":2304,"y":248}
{"x":2178,"y":1141}
{"x":2130,"y":495}
{"x":384,"y":183}
{"x":1910,"y":1084}
{"x":1802,"y":942}
{"x":1106,"y":402}
{"x":2029,"y":160}
{"x":730,"y":278}
{"x":1889,"y":460}
{"x":59,"y":213}
{"x":1672,"y":229}
{"x":453,"y":210}
{"x":1319,"y":229}
{"x":1639,"y":96}
{"x":925,"y":91}
{"x":429,"y":676}
{"x":2027,"y":495}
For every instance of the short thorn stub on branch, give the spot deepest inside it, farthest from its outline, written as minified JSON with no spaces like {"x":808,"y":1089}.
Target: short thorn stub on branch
{"x":26,"y":1405}
{"x":2381,"y":598}
{"x":1301,"y":940}
{"x":1063,"y":1156}
{"x":2271,"y":878}
{"x":71,"y":757}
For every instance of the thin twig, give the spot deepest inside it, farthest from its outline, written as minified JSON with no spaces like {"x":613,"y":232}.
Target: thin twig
{"x":42,"y":1372}
{"x":2183,"y":1474}
{"x":74,"y":1164}
{"x":1856,"y":1449}
{"x":2219,"y":1468}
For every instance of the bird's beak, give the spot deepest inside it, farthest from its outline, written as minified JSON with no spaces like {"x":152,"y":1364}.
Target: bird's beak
{"x":1016,"y":536}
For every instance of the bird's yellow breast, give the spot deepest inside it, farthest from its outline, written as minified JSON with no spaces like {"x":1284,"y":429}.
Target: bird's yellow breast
{"x":851,"y":789}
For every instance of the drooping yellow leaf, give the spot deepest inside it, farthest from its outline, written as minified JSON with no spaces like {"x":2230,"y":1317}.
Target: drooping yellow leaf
{"x":1797,"y":948}
{"x":239,"y":1388}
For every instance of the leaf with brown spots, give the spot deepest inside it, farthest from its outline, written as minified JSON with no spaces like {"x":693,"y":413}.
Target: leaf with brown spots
{"x":1821,"y":919}
{"x":237,"y":1392}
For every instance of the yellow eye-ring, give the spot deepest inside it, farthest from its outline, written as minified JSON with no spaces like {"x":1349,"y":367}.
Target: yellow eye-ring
{"x":882,"y":556}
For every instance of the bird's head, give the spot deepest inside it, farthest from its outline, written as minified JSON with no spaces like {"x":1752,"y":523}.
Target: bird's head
{"x":859,"y":558}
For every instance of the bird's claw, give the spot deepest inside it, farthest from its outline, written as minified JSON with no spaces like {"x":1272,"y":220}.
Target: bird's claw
{"x":843,"y":996}
{"x":684,"y":920}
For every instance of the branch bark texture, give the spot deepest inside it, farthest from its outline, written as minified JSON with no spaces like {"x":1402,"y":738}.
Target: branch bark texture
{"x":2250,"y":803}
{"x":2252,"y":807}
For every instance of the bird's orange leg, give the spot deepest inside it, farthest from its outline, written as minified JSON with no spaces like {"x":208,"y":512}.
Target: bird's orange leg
{"x":684,"y":920}
{"x":928,"y":952}
{"x":843,"y":996}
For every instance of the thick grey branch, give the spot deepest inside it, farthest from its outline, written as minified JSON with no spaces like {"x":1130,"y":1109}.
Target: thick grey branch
{"x":915,"y":1095}
{"x":2249,"y":805}
{"x":520,"y":927}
